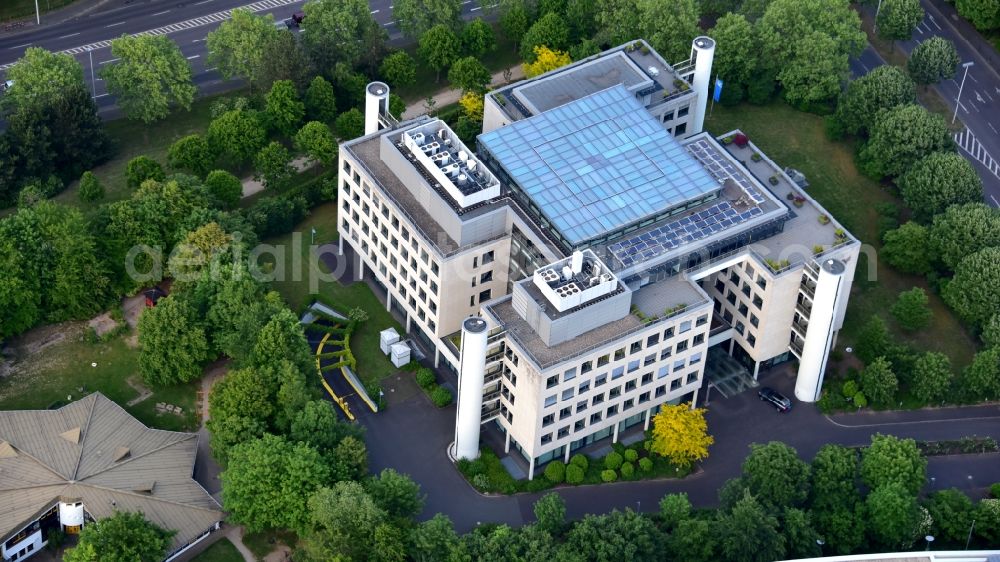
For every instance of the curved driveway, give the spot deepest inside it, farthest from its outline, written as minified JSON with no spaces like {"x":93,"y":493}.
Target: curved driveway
{"x":411,"y":436}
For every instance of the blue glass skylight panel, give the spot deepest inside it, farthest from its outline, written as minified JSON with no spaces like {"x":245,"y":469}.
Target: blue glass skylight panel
{"x":597,"y":164}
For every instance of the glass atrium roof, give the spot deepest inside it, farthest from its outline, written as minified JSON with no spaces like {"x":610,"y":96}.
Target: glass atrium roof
{"x":597,"y":164}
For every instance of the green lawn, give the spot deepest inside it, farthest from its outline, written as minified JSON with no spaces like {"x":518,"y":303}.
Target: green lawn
{"x":135,"y":138}
{"x":59,"y":372}
{"x":222,"y":551}
{"x":15,"y":9}
{"x":294,"y":286}
{"x":261,"y":544}
{"x":797,"y":139}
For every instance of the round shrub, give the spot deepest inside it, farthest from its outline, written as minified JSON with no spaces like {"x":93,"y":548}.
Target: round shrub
{"x":555,"y":472}
{"x":645,"y":464}
{"x":142,"y":168}
{"x":647,"y":444}
{"x":613,"y":461}
{"x":631,"y":455}
{"x":225,"y":188}
{"x":580,"y":460}
{"x":850,"y":388}
{"x":574,"y":474}
{"x":481,"y":481}
{"x":90,"y":188}
{"x":441,"y":397}
{"x":609,"y":475}
{"x":425,"y":377}
{"x":628,"y":469}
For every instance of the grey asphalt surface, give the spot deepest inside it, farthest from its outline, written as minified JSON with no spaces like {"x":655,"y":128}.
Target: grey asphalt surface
{"x":980,"y":102}
{"x":411,"y":436}
{"x":116,"y":17}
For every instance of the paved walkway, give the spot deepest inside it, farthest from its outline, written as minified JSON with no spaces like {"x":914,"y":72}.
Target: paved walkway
{"x":251,"y":186}
{"x":412,"y":436}
{"x":449,"y":96}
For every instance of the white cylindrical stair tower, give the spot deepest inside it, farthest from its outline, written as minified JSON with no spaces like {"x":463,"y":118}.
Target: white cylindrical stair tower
{"x":471,"y":373}
{"x":376,"y":103}
{"x":702,"y":53}
{"x":819,"y":335}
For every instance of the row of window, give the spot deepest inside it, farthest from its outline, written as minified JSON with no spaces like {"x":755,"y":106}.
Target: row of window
{"x":611,"y":411}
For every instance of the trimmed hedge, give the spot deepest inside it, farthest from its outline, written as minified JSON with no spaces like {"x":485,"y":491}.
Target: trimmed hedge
{"x":575,"y":474}
{"x":645,"y":464}
{"x":441,"y":396}
{"x":612,"y":461}
{"x":580,"y":460}
{"x":425,"y":378}
{"x":631,"y":455}
{"x":609,"y":475}
{"x":628,"y":469}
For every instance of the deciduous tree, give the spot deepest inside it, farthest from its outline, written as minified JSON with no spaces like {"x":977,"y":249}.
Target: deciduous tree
{"x":150,"y":75}
{"x":900,"y":137}
{"x":269,"y":481}
{"x":981,"y":379}
{"x":776,"y":476}
{"x":39,"y":77}
{"x":396,"y":494}
{"x":800,"y":536}
{"x":932,"y":61}
{"x":892,"y":515}
{"x":321,"y":104}
{"x":273,"y":166}
{"x":681,"y":434}
{"x":283,"y":109}
{"x":224,"y":188}
{"x":469,"y":74}
{"x":884,"y":87}
{"x":938,"y":181}
{"x":974,"y":291}
{"x":439,"y":47}
{"x":907,"y":248}
{"x":545,"y":60}
{"x":615,"y":536}
{"x":834,"y":473}
{"x":240,"y":407}
{"x":879,"y":383}
{"x":173,"y":343}
{"x":692,"y":541}
{"x":285,"y":59}
{"x":669,"y":27}
{"x":984,"y":14}
{"x":911,"y":310}
{"x":931,"y":376}
{"x":342,"y":32}
{"x":890,"y":460}
{"x":748,"y":534}
{"x":433,"y":540}
{"x":399,"y":69}
{"x":234,"y":48}
{"x":736,"y":52}
{"x":962,"y":230}
{"x":142,"y":168}
{"x":550,"y":30}
{"x":417,"y":17}
{"x":675,"y":508}
{"x":237,"y":135}
{"x":316,"y":140}
{"x":515,"y":19}
{"x":350,"y":124}
{"x":477,"y":38}
{"x":343,"y":519}
{"x":550,"y":511}
{"x":90,"y":188}
{"x":191,"y":154}
{"x":952,"y":513}
{"x":122,"y":537}
{"x":898,"y":18}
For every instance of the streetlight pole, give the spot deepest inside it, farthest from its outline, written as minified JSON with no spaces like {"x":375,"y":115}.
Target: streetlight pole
{"x":877,"y":10}
{"x":969,"y":539}
{"x":958,"y":100}
{"x":38,"y":14}
{"x":93,"y":79}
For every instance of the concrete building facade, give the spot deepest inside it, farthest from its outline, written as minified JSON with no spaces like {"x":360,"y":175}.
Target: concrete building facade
{"x":606,"y":242}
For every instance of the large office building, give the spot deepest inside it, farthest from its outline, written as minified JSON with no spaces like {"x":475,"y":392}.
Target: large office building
{"x":596,"y":250}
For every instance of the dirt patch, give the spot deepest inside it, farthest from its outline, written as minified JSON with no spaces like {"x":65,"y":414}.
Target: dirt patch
{"x":133,"y":307}
{"x":137,"y":386}
{"x":102,"y":324}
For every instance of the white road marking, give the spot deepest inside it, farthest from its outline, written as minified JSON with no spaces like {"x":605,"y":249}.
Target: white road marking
{"x":21,"y":46}
{"x":115,"y":24}
{"x":969,"y":144}
{"x":101,"y":95}
{"x":920,"y":31}
{"x":476,"y":8}
{"x":216,"y":17}
{"x":375,"y":12}
{"x":202,"y":2}
{"x":161,"y":13}
{"x":107,"y":61}
{"x":934,"y":21}
{"x":194,"y":57}
{"x":995,"y":202}
{"x":973,"y":78}
{"x":992,"y":127}
{"x":210,"y":69}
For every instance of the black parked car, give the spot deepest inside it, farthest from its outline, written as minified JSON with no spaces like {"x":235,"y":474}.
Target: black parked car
{"x":777,"y":399}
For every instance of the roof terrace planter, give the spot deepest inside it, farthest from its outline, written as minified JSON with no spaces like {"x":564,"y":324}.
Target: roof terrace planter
{"x":741,"y":140}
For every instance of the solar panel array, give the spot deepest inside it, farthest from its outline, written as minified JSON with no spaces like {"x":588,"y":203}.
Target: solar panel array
{"x":597,"y":164}
{"x":675,"y":234}
{"x":722,"y":168}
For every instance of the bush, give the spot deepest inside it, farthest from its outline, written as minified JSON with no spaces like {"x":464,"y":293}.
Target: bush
{"x":645,"y":464}
{"x":555,"y":472}
{"x":90,"y":188}
{"x":272,"y":216}
{"x":580,"y":460}
{"x":142,"y":168}
{"x":425,"y":378}
{"x":995,"y":490}
{"x":631,"y":455}
{"x":612,"y":461}
{"x":609,"y":475}
{"x":628,"y":469}
{"x":225,"y":188}
{"x":574,"y":474}
{"x":481,"y":481}
{"x":850,"y":389}
{"x":441,"y":397}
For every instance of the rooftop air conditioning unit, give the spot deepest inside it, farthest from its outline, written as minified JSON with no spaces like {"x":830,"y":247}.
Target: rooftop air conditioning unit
{"x":418,"y":138}
{"x":471,"y":164}
{"x":442,"y":133}
{"x":463,"y":155}
{"x":462,"y":179}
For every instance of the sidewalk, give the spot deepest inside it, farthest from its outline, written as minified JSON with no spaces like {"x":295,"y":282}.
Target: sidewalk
{"x":451,"y":95}
{"x":869,"y":418}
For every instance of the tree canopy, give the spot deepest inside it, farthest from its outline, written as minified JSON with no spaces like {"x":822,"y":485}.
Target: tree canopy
{"x":962,"y":230}
{"x":878,"y":382}
{"x":938,"y":181}
{"x":907,"y":248}
{"x":680,"y":433}
{"x":341,"y":31}
{"x":890,"y":460}
{"x":775,"y":475}
{"x":417,"y":17}
{"x":234,"y":48}
{"x":884,"y":87}
{"x":900,"y":137}
{"x":150,"y":75}
{"x":932,"y":61}
{"x":122,"y":537}
{"x":898,"y":18}
{"x":974,"y":291}
{"x":173,"y":343}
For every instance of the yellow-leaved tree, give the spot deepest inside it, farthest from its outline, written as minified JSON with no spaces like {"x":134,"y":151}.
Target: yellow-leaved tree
{"x":472,"y":105}
{"x":546,"y":59}
{"x":680,"y":434}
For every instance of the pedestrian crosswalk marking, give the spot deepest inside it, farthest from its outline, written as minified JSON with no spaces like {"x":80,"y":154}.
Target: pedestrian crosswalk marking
{"x":971,"y":146}
{"x":179,"y":26}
